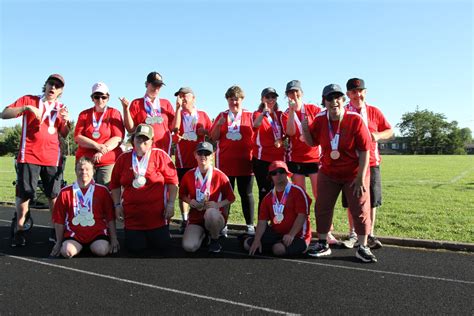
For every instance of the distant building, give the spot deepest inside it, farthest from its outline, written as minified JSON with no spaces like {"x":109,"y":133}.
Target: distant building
{"x":394,"y":146}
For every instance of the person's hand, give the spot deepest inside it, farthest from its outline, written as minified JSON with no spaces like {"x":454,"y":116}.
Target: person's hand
{"x":33,"y":110}
{"x":119,"y":212}
{"x":125,"y":103}
{"x":375,"y":136}
{"x":179,"y":102}
{"x":266,"y":109}
{"x":169,"y":210}
{"x":221,"y":120}
{"x":287,"y":240}
{"x":102,"y":148}
{"x":292,"y":104}
{"x":114,"y":245}
{"x":201,"y":131}
{"x":64,"y":114}
{"x":211,"y":204}
{"x":358,"y":187}
{"x":197,"y":205}
{"x":305,"y":123}
{"x":97,"y":157}
{"x":255,"y":245}
{"x":56,"y":249}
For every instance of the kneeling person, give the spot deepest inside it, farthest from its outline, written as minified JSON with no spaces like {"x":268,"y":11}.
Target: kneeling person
{"x":83,"y":215}
{"x":208,"y":192}
{"x":286,"y":207}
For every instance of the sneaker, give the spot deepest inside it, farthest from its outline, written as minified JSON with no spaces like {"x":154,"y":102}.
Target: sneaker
{"x":373,"y":242}
{"x":224,"y":232}
{"x":363,"y":253}
{"x":250,"y":230}
{"x":52,"y":236}
{"x":182,"y":227}
{"x":19,"y":239}
{"x":332,"y":240}
{"x":214,"y":246}
{"x":351,"y":242}
{"x":319,"y":250}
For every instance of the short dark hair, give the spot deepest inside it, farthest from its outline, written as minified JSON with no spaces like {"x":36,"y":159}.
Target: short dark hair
{"x":235,"y":91}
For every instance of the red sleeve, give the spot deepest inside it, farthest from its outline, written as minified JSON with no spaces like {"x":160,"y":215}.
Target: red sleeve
{"x":60,"y":207}
{"x":362,"y":136}
{"x":115,"y":178}
{"x":207,"y":120}
{"x":227,"y":192}
{"x":80,"y":125}
{"x":168,"y":169}
{"x":265,"y":208}
{"x":170,"y":113}
{"x":302,"y":201}
{"x":23,"y":101}
{"x":315,"y":131}
{"x":134,"y":110}
{"x":186,"y":184}
{"x":107,"y":204}
{"x":116,"y":124}
{"x":382,"y":123}
{"x":214,"y":125}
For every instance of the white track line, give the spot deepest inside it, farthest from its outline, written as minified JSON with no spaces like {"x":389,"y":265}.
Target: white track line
{"x":460,"y":176}
{"x":156,"y":287}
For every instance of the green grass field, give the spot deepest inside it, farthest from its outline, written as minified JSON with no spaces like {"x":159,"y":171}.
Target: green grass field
{"x":427,"y":197}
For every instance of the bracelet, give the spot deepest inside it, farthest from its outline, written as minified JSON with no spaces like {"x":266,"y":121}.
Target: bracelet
{"x":117,"y":204}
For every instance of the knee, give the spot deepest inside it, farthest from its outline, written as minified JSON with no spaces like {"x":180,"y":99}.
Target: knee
{"x":100,"y":249}
{"x":190,"y":245}
{"x":212,"y":216}
{"x":279,"y":249}
{"x":68,"y":250}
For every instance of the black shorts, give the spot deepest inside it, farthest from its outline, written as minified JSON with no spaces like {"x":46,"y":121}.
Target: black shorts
{"x":28,"y":176}
{"x":270,"y":237}
{"x":181,"y":172}
{"x":302,"y":168}
{"x":100,"y":237}
{"x":137,"y":241}
{"x":375,"y":189}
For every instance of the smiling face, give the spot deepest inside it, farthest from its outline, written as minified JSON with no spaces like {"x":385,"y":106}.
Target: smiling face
{"x":84,"y":173}
{"x":100,"y":100}
{"x":270,"y":99}
{"x":334,"y":102}
{"x":357,"y":97}
{"x":235,"y":103}
{"x":142,"y":144}
{"x":188,"y":101}
{"x":203,"y":158}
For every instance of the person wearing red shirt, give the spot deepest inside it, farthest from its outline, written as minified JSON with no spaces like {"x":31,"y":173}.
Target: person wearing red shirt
{"x":233,"y":132}
{"x":144,"y":185}
{"x":208,"y":191}
{"x":379,"y":129}
{"x":345,"y":146}
{"x":151,"y":110}
{"x":84,"y":216}
{"x":268,"y":140}
{"x":99,"y":132}
{"x":191,"y":127}
{"x":44,"y":119}
{"x":286,"y":207}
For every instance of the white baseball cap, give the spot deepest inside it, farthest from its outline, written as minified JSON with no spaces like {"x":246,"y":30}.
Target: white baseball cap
{"x":100,"y":87}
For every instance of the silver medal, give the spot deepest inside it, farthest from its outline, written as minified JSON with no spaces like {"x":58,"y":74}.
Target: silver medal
{"x":51,"y":129}
{"x":95,"y":135}
{"x":149,"y":120}
{"x":159,"y":119}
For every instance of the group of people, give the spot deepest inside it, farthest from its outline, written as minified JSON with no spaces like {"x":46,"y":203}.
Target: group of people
{"x":335,"y":147}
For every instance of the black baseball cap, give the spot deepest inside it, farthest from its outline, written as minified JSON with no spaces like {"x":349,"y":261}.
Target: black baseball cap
{"x":155,"y":78}
{"x":355,"y":83}
{"x":269,"y":90}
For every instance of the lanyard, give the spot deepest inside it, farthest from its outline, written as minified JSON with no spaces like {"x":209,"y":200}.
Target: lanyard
{"x":82,"y":201}
{"x":152,"y":108}
{"x":279,"y":206}
{"x":362,"y":111}
{"x":190,"y":121}
{"x":334,"y":138}
{"x":140,"y":167}
{"x":234,"y":125}
{"x":275,"y":127}
{"x":203,"y":185}
{"x":96,"y":124}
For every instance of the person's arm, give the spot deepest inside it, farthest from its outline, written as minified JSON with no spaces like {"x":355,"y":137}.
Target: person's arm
{"x":257,"y":243}
{"x":114,"y":244}
{"x":308,"y":138}
{"x":297,"y":226}
{"x":117,"y":198}
{"x":172,"y":192}
{"x":357,"y":185}
{"x":383,"y":135}
{"x":218,"y":205}
{"x":14,"y":112}
{"x":216,"y":129}
{"x":290,"y":124}
{"x":127,"y":117}
{"x":59,"y":229}
{"x":177,"y":117}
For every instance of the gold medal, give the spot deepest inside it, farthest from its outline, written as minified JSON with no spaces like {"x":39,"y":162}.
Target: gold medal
{"x":335,"y":154}
{"x":278,"y":143}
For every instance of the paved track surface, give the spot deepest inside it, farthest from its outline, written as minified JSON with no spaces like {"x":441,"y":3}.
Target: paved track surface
{"x":405,"y":280}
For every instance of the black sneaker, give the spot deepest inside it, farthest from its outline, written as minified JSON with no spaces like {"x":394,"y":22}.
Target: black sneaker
{"x":52,"y":236}
{"x":373,"y":242}
{"x":19,"y":239}
{"x":319,"y":250}
{"x":182,"y":228}
{"x":363,"y":253}
{"x":214,"y":246}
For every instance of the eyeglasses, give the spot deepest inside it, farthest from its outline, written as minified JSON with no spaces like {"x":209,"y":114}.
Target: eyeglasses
{"x":55,"y":83}
{"x":97,"y":97}
{"x":278,"y":171}
{"x":333,"y":96}
{"x":203,"y":153}
{"x":270,"y":96}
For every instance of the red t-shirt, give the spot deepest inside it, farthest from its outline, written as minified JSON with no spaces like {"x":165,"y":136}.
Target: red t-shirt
{"x":298,"y":202}
{"x":102,"y":208}
{"x":298,"y":151}
{"x":220,"y":190}
{"x":162,"y":138}
{"x":112,"y":125}
{"x":376,"y":123}
{"x":184,"y":155}
{"x":144,"y":207}
{"x":234,"y":158}
{"x":264,"y":140}
{"x":37,"y":145}
{"x":354,"y":136}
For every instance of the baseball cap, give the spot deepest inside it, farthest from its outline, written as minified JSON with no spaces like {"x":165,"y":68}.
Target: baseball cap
{"x":355,"y":83}
{"x":293,"y":85}
{"x":184,"y":90}
{"x":100,"y":87}
{"x":278,"y":164}
{"x":332,"y":88}
{"x":269,"y":90}
{"x":145,"y":130}
{"x":154,"y":78}
{"x":56,"y":76}
{"x":206,"y":146}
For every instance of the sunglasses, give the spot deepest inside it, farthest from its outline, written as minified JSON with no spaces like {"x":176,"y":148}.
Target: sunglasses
{"x":333,"y":96}
{"x":55,"y":83}
{"x":97,"y":97}
{"x":203,"y":153}
{"x":278,"y":171}
{"x":270,"y":96}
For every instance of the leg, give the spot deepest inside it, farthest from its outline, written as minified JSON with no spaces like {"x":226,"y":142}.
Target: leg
{"x":27,"y":182}
{"x":103,"y":174}
{"x":159,"y":238}
{"x":214,"y":222}
{"x":260,"y":169}
{"x":245,"y":186}
{"x":21,"y":208}
{"x":193,"y":237}
{"x":328,"y":191}
{"x":135,"y":241}
{"x":299,"y":180}
{"x":70,"y":248}
{"x":100,"y":247}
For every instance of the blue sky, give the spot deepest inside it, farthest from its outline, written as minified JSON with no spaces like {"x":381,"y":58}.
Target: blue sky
{"x":410,"y":53}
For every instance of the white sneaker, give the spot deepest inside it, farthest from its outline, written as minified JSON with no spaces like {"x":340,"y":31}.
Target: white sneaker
{"x":332,"y":240}
{"x":250,"y":230}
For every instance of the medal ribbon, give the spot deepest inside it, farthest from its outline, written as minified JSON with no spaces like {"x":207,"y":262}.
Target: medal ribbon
{"x":298,"y":121}
{"x":82,"y":200}
{"x":234,"y":125}
{"x":96,"y":124}
{"x":152,"y":108}
{"x":190,"y":121}
{"x":334,"y":138}
{"x":49,"y":107}
{"x":275,"y":127}
{"x":362,"y":112}
{"x":203,"y":186}
{"x":140,"y":167}
{"x":279,"y":206}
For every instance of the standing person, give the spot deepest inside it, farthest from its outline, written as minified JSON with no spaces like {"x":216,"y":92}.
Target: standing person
{"x":209,"y":193}
{"x":191,"y":127}
{"x":84,"y":216}
{"x":379,"y":129}
{"x":233,"y":132}
{"x":151,"y":110}
{"x":345,"y":146}
{"x":286,"y":207}
{"x":268,"y":140}
{"x":99,"y":132}
{"x":144,"y":185}
{"x":44,"y":119}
